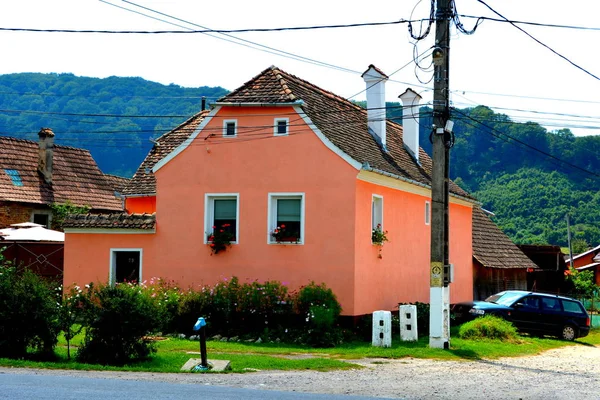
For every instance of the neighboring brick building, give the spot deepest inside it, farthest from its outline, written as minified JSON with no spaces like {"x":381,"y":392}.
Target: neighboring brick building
{"x":35,"y":175}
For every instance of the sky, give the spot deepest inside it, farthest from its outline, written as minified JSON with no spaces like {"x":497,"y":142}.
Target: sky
{"x":498,"y":66}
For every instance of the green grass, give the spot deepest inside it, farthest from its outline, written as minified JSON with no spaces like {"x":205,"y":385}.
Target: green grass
{"x":173,"y":353}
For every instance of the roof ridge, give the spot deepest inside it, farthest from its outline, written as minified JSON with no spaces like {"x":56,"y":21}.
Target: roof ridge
{"x":35,"y":143}
{"x":314,"y":87}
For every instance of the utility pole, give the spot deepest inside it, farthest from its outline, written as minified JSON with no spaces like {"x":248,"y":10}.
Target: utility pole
{"x":439,"y":291}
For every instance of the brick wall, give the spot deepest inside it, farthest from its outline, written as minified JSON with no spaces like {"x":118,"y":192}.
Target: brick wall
{"x":14,"y":213}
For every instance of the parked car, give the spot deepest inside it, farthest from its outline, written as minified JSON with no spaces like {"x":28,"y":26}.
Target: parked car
{"x":534,"y":313}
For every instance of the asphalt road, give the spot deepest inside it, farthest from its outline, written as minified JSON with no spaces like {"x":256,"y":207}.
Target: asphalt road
{"x":43,"y":387}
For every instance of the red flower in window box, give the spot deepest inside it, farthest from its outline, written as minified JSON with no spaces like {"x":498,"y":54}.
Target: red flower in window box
{"x":282,"y":234}
{"x":220,"y":239}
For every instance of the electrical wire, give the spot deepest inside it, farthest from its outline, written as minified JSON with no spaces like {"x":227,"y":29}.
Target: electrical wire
{"x":539,"y":42}
{"x":207,"y":30}
{"x":524,"y":144}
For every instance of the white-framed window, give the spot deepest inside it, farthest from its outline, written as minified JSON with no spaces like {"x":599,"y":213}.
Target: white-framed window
{"x":286,"y":218}
{"x":427,"y":213}
{"x":230,"y":128}
{"x":281,"y":126}
{"x":125,"y":266}
{"x":376,"y":213}
{"x":42,"y":217}
{"x":221,"y":211}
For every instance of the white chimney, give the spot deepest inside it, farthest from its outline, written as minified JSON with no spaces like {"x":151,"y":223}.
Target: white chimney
{"x":410,"y":121}
{"x":375,"y":80}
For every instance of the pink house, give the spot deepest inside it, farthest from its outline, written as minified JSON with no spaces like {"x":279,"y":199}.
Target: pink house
{"x":282,"y":151}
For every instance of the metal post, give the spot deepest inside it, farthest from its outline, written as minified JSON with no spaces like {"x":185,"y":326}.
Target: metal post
{"x":203,"y":359}
{"x":439,"y":317}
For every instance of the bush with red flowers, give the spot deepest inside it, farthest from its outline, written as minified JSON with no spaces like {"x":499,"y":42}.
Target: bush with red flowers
{"x":220,"y":238}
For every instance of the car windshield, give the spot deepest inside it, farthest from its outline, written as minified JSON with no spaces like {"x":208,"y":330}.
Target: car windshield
{"x":504,"y":298}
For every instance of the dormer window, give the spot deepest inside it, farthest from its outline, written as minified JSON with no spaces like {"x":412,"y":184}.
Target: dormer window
{"x":281,"y":126}
{"x":230,"y":128}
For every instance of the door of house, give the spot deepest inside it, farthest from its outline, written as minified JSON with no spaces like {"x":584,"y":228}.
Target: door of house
{"x":126,"y":266}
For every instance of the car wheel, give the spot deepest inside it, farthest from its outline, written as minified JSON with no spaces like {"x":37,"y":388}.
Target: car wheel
{"x":568,"y":332}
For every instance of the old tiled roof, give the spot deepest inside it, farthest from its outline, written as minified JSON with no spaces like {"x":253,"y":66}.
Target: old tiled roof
{"x":492,"y":248}
{"x":111,"y":221}
{"x":143,"y":181}
{"x":76,"y":177}
{"x":117,"y":183}
{"x":341,"y":121}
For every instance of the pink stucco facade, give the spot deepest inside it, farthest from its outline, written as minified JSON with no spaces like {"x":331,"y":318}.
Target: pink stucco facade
{"x":337,"y":248}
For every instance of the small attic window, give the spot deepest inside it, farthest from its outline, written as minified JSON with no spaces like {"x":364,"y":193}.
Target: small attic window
{"x":14,"y":177}
{"x":281,"y":126}
{"x":230,"y":128}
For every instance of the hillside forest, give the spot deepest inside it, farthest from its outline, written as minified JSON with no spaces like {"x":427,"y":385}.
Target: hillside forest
{"x":530,"y":178}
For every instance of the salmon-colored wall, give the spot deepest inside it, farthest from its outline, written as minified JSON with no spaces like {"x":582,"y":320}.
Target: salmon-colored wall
{"x":337,"y":248}
{"x":87,"y":256}
{"x":402,"y":274}
{"x":140,"y":205}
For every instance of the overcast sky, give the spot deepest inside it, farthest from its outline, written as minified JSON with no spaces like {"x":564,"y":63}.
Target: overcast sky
{"x":498,"y":66}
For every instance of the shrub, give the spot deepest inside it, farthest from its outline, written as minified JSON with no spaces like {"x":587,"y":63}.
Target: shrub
{"x":117,"y":320}
{"x":28,"y":314}
{"x":488,"y":327}
{"x":322,"y":310}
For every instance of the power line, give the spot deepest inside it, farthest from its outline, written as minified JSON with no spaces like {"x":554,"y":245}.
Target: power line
{"x":545,"y":25}
{"x":539,"y":42}
{"x":207,"y":30}
{"x":233,"y":39}
{"x":527,"y":145}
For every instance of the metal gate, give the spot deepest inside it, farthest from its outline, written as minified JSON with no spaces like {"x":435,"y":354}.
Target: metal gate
{"x":44,"y":259}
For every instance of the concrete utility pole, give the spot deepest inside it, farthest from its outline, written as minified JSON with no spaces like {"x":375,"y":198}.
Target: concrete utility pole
{"x":439,"y":292}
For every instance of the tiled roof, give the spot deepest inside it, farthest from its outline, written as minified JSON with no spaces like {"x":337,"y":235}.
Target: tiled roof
{"x":492,"y":248}
{"x":341,"y":121}
{"x":143,"y":181}
{"x":111,"y":221}
{"x":75,"y":178}
{"x":117,"y":183}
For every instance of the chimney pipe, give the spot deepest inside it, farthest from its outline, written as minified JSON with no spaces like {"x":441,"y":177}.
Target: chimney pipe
{"x":410,"y":121}
{"x":46,"y":154}
{"x":203,"y":103}
{"x":376,"y":119}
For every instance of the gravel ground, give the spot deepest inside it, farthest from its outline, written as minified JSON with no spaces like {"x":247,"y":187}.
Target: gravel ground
{"x":571,"y":372}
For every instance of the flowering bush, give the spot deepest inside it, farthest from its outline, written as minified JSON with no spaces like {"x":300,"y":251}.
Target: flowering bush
{"x":283,"y":234}
{"x":220,"y":238}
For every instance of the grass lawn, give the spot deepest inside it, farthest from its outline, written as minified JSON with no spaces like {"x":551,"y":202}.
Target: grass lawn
{"x":173,"y":353}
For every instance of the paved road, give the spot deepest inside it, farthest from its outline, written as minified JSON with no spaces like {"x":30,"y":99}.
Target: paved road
{"x":19,"y":386}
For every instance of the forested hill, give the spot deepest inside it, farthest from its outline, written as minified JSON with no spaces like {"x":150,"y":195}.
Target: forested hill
{"x":84,"y":112}
{"x":529,"y":177}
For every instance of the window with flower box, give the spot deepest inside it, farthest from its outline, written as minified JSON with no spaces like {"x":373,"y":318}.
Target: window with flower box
{"x":286,"y":218}
{"x":221,"y":213}
{"x":376,"y":214}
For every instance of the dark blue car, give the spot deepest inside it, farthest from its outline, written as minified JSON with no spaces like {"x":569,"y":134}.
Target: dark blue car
{"x":534,"y":313}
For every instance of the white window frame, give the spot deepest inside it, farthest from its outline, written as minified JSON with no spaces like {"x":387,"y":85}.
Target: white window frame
{"x":42,"y":212}
{"x":276,"y":126}
{"x":112,"y":272}
{"x":376,"y":212}
{"x":229,"y":121}
{"x":209,"y":213}
{"x":272,"y":214}
{"x":427,"y":213}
